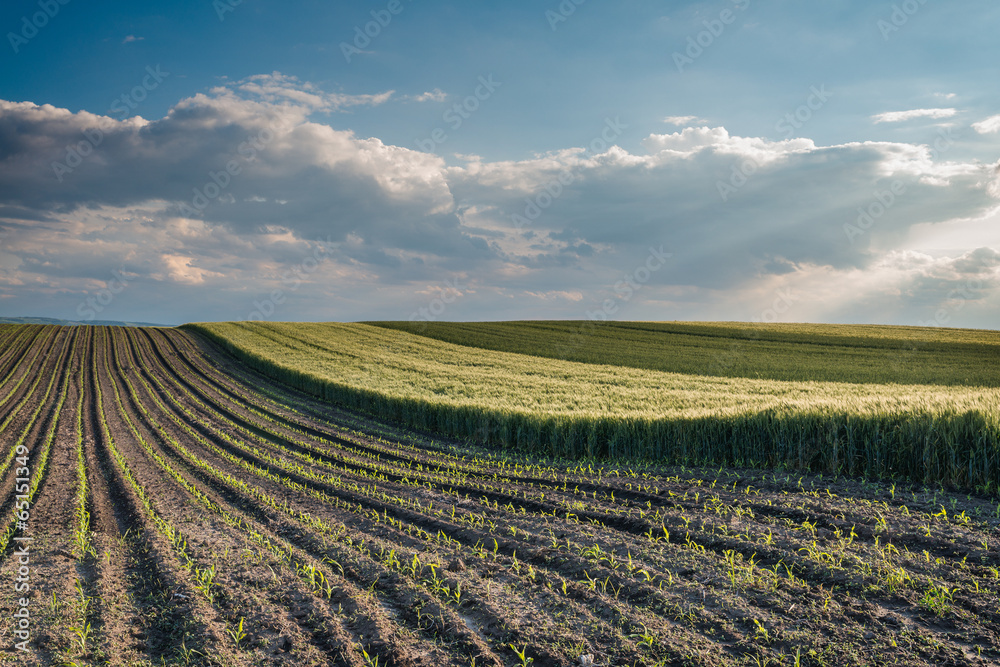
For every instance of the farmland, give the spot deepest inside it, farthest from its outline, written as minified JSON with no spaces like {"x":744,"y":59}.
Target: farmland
{"x":927,"y":433}
{"x":187,"y":509}
{"x":824,"y":352}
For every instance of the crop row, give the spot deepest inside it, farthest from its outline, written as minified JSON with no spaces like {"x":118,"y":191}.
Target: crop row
{"x":927,"y":434}
{"x":835,"y":353}
{"x":820,"y":555}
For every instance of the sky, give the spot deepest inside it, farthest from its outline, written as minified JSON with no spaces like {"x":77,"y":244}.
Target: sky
{"x":734,"y":160}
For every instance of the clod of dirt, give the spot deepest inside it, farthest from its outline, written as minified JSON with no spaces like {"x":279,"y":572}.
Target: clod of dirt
{"x":456,"y":565}
{"x":283,"y":644}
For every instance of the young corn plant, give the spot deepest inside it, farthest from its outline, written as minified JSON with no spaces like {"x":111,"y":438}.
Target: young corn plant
{"x":205,"y":582}
{"x":238,"y":634}
{"x":937,"y":600}
{"x":522,"y":655}
{"x":82,"y":635}
{"x":371,"y":660}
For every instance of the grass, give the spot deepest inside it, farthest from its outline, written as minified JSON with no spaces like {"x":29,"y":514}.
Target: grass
{"x":922,"y":432}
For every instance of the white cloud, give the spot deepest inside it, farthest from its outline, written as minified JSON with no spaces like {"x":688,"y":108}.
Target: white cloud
{"x":436,"y":95}
{"x":684,"y":120}
{"x":900,"y":116}
{"x":989,"y":125}
{"x":898,"y":287}
{"x":692,"y":140}
{"x":277,"y":87}
{"x":557,"y":295}
{"x":183,"y":269}
{"x":132,"y":38}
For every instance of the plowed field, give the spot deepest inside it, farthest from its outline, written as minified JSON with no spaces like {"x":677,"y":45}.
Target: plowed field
{"x":174,"y":507}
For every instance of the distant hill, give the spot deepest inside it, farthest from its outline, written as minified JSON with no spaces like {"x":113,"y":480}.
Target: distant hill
{"x":69,"y":323}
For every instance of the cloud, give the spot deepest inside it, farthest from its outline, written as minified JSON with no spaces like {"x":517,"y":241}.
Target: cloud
{"x":692,"y":140}
{"x":436,"y":95}
{"x":132,"y":38}
{"x":901,"y":116}
{"x":183,"y":270}
{"x":276,"y":88}
{"x":935,"y":289}
{"x":979,"y":264}
{"x":989,"y":125}
{"x":788,"y":203}
{"x":684,"y":120}
{"x":236,"y":162}
{"x":217,"y":203}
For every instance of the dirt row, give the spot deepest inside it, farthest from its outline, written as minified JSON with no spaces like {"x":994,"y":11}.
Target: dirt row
{"x":195,"y":512}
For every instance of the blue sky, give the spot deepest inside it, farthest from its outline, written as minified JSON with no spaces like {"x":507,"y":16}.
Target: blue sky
{"x":830,"y":161}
